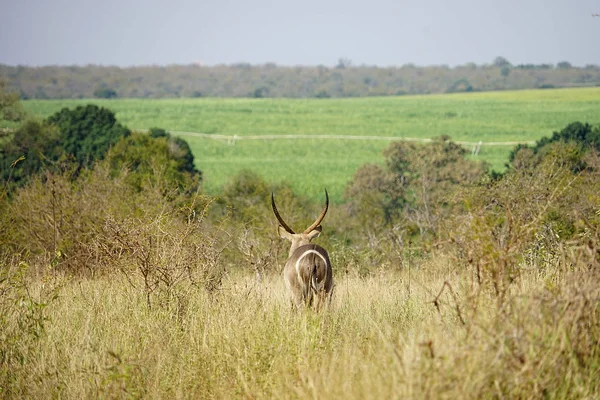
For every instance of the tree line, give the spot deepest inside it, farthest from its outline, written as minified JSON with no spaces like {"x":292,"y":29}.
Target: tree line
{"x":271,"y":80}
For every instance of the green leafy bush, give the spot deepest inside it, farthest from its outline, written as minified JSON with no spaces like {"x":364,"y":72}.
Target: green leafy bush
{"x":86,"y":133}
{"x":584,"y":135}
{"x":38,"y":143}
{"x":156,"y":159}
{"x":414,"y":188}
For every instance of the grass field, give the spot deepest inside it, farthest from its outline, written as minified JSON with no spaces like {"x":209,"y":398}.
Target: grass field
{"x":310,"y":164}
{"x":382,"y":338}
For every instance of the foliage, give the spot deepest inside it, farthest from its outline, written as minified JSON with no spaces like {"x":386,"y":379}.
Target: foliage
{"x":530,"y":213}
{"x":163,"y":254}
{"x":105,"y":93}
{"x":38,"y":143}
{"x":415,"y":186}
{"x":580,"y":133}
{"x":583,"y":135}
{"x":179,"y":148}
{"x":10,"y":107}
{"x":268,"y":80}
{"x":86,"y":133}
{"x":56,"y":213}
{"x":154,"y":158}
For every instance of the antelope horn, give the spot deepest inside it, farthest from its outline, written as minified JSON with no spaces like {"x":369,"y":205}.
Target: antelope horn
{"x":320,"y":218}
{"x":281,"y":221}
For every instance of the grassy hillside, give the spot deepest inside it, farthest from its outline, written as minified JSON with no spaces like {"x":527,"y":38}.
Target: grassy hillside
{"x":310,"y":164}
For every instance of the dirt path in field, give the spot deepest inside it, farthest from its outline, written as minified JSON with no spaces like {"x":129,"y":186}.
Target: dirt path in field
{"x":233,"y":138}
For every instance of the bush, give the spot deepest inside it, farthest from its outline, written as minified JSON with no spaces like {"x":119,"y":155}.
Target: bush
{"x":86,"y":133}
{"x":54,"y":213}
{"x":36,"y":145}
{"x":583,"y":135}
{"x":414,"y":188}
{"x":156,"y":159}
{"x":526,"y":217}
{"x":105,"y":93}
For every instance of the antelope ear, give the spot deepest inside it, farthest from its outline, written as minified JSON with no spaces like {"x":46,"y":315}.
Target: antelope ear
{"x":283,"y":233}
{"x":315,"y":232}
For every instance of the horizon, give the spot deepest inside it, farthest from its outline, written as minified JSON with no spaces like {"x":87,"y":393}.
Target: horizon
{"x":380,"y":33}
{"x":266,"y":64}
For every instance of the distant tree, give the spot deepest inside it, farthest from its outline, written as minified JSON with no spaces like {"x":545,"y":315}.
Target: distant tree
{"x":343,"y":63}
{"x":245,"y":80}
{"x":505,"y":71}
{"x":105,"y":93}
{"x":501,"y":62}
{"x":86,"y":133}
{"x":158,"y":132}
{"x":322,"y":94}
{"x":564,"y":65}
{"x":260,"y":92}
{"x":461,"y":85}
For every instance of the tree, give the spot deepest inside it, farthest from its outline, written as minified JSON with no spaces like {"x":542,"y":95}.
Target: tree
{"x":343,"y":63}
{"x":501,"y":62}
{"x":153,"y":157}
{"x":11,"y":108}
{"x":180,"y":149}
{"x":461,"y":85}
{"x":38,"y":143}
{"x":105,"y":93}
{"x":583,"y":135}
{"x":86,"y":133}
{"x":564,"y":65}
{"x":413,"y":188}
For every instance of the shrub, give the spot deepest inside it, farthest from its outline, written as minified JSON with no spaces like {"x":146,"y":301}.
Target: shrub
{"x":55,"y":215}
{"x":156,"y":160}
{"x":530,"y":212}
{"x":37,"y":145}
{"x":414,"y":188}
{"x":86,"y":133}
{"x":583,"y":135}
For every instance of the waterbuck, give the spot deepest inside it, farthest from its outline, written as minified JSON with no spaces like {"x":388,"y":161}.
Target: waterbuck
{"x":307,"y":272}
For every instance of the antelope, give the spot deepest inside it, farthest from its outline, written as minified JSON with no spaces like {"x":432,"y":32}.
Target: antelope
{"x":307,"y":271}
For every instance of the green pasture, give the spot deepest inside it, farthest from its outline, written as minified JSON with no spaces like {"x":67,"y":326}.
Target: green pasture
{"x":311,"y":164}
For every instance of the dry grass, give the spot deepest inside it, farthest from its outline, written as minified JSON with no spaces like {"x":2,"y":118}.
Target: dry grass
{"x":382,"y":338}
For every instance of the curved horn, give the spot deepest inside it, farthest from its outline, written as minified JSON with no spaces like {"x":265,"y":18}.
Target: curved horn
{"x":320,"y":218}
{"x":281,"y":221}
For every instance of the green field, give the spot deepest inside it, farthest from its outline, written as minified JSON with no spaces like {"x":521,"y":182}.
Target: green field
{"x":310,"y":164}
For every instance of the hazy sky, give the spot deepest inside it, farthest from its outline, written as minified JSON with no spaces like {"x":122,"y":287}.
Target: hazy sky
{"x":300,"y":32}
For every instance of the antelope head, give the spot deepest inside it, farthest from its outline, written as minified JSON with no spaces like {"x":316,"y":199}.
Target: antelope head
{"x":307,"y":271}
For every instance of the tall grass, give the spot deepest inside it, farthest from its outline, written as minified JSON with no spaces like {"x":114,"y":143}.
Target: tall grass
{"x":381,"y":338}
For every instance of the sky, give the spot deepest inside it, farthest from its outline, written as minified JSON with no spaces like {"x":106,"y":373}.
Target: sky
{"x":300,"y":32}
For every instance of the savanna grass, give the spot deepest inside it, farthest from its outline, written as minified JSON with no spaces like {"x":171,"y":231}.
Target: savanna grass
{"x":383,"y":337}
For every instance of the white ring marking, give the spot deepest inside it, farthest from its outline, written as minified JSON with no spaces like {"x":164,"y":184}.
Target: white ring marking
{"x":304,"y":255}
